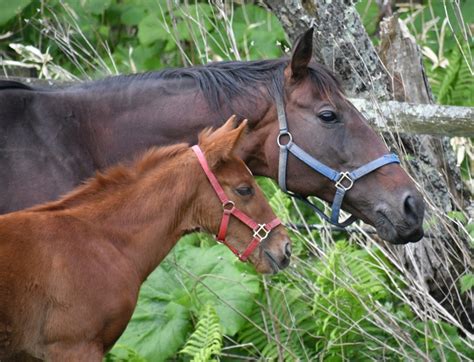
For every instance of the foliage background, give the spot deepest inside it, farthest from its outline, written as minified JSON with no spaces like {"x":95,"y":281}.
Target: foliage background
{"x":342,"y":298}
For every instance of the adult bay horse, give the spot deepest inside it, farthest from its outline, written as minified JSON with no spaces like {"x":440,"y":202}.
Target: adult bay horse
{"x":54,"y":138}
{"x":70,"y":270}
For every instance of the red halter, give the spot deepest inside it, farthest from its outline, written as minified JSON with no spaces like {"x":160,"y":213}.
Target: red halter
{"x":260,"y":231}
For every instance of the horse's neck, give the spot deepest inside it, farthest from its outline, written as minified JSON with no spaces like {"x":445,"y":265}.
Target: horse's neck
{"x":124,"y":120}
{"x":145,"y":218}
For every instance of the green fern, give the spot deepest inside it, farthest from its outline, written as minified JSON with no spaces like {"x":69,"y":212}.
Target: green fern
{"x":454,"y":84}
{"x":206,"y":340}
{"x":349,"y":283}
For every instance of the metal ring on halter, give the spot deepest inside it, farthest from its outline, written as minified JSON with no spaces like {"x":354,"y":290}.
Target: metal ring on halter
{"x":228,"y":205}
{"x":290,"y":139}
{"x":260,"y":233}
{"x":345,"y":176}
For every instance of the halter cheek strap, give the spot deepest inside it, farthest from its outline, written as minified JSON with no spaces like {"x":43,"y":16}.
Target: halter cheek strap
{"x":260,"y":231}
{"x":343,"y":180}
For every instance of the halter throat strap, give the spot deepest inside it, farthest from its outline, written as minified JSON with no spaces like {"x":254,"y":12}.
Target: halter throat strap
{"x":344,"y":180}
{"x":260,"y":231}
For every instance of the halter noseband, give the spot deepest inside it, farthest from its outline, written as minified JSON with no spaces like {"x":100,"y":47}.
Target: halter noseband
{"x":260,"y":231}
{"x":343,"y":180}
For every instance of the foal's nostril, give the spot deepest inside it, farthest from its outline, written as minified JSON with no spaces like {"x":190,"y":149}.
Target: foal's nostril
{"x":287,"y":250}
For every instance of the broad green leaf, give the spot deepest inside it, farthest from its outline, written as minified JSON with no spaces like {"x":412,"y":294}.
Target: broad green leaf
{"x":260,"y":32}
{"x":95,"y":7}
{"x":458,"y":215}
{"x":221,"y":280}
{"x":151,"y":29}
{"x":121,"y":353}
{"x":189,"y":15}
{"x":467,"y":282}
{"x":159,"y":324}
{"x":188,"y":279}
{"x":11,"y":8}
{"x":133,"y":15}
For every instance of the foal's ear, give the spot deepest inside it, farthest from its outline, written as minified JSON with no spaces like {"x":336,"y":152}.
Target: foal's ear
{"x":219,"y":145}
{"x":301,"y":55}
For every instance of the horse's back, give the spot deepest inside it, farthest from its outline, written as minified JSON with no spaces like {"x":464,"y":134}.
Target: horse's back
{"x":43,"y":153}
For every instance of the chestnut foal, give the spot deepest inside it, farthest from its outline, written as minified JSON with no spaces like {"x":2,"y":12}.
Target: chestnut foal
{"x":71,"y":270}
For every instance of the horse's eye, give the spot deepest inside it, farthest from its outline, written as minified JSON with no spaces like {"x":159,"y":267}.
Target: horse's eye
{"x":244,"y":191}
{"x":328,"y":116}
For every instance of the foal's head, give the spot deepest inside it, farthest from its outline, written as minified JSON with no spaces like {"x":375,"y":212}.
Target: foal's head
{"x":273,"y":252}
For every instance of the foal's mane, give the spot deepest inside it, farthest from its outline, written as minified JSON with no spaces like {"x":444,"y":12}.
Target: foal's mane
{"x":226,"y":80}
{"x":115,"y":176}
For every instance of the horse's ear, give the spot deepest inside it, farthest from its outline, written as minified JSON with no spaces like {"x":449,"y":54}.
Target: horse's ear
{"x":219,"y":145}
{"x":301,"y":55}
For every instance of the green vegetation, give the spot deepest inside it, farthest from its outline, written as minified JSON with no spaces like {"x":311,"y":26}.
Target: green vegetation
{"x":343,"y":297}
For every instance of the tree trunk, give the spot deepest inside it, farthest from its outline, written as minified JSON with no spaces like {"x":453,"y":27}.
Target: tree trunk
{"x":341,"y":43}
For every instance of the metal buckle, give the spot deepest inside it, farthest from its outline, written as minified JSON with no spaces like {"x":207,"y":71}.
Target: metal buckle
{"x":283,"y":134}
{"x":261,"y":233}
{"x":228,"y":205}
{"x":345,"y":176}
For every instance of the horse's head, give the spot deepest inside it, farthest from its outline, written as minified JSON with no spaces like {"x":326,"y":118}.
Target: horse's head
{"x":234,"y":208}
{"x":327,"y":126}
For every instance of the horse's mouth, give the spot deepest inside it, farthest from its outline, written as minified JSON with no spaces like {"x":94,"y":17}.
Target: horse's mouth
{"x":273,"y":263}
{"x":396,"y":233}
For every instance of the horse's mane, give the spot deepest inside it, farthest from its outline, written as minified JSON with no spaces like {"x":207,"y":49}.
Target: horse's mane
{"x":114,"y":176}
{"x":224,"y":81}
{"x":220,"y":82}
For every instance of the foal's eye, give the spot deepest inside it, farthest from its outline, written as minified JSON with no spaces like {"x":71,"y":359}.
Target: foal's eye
{"x":328,"y":116}
{"x":244,"y":191}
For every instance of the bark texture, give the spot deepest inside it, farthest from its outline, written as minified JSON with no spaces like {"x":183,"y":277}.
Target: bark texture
{"x":339,"y":37}
{"x":430,"y":119}
{"x":341,"y":43}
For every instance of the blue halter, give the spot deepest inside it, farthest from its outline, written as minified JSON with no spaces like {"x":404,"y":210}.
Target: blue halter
{"x":343,"y":180}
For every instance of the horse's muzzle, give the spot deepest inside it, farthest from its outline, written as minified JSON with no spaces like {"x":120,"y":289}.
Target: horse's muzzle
{"x":403,"y":223}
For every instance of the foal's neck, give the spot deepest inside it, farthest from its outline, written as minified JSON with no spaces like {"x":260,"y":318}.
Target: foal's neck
{"x":148,"y":214}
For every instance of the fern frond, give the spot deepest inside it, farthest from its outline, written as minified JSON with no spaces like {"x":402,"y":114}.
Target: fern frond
{"x":206,"y":340}
{"x":453,"y":85}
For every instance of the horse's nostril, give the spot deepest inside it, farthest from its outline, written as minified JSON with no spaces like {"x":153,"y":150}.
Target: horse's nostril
{"x":409,"y":206}
{"x":287,"y":250}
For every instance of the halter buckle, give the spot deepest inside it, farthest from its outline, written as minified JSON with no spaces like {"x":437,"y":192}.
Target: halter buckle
{"x":344,"y":176}
{"x":228,"y":206}
{"x":260,"y":232}
{"x":283,"y":134}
